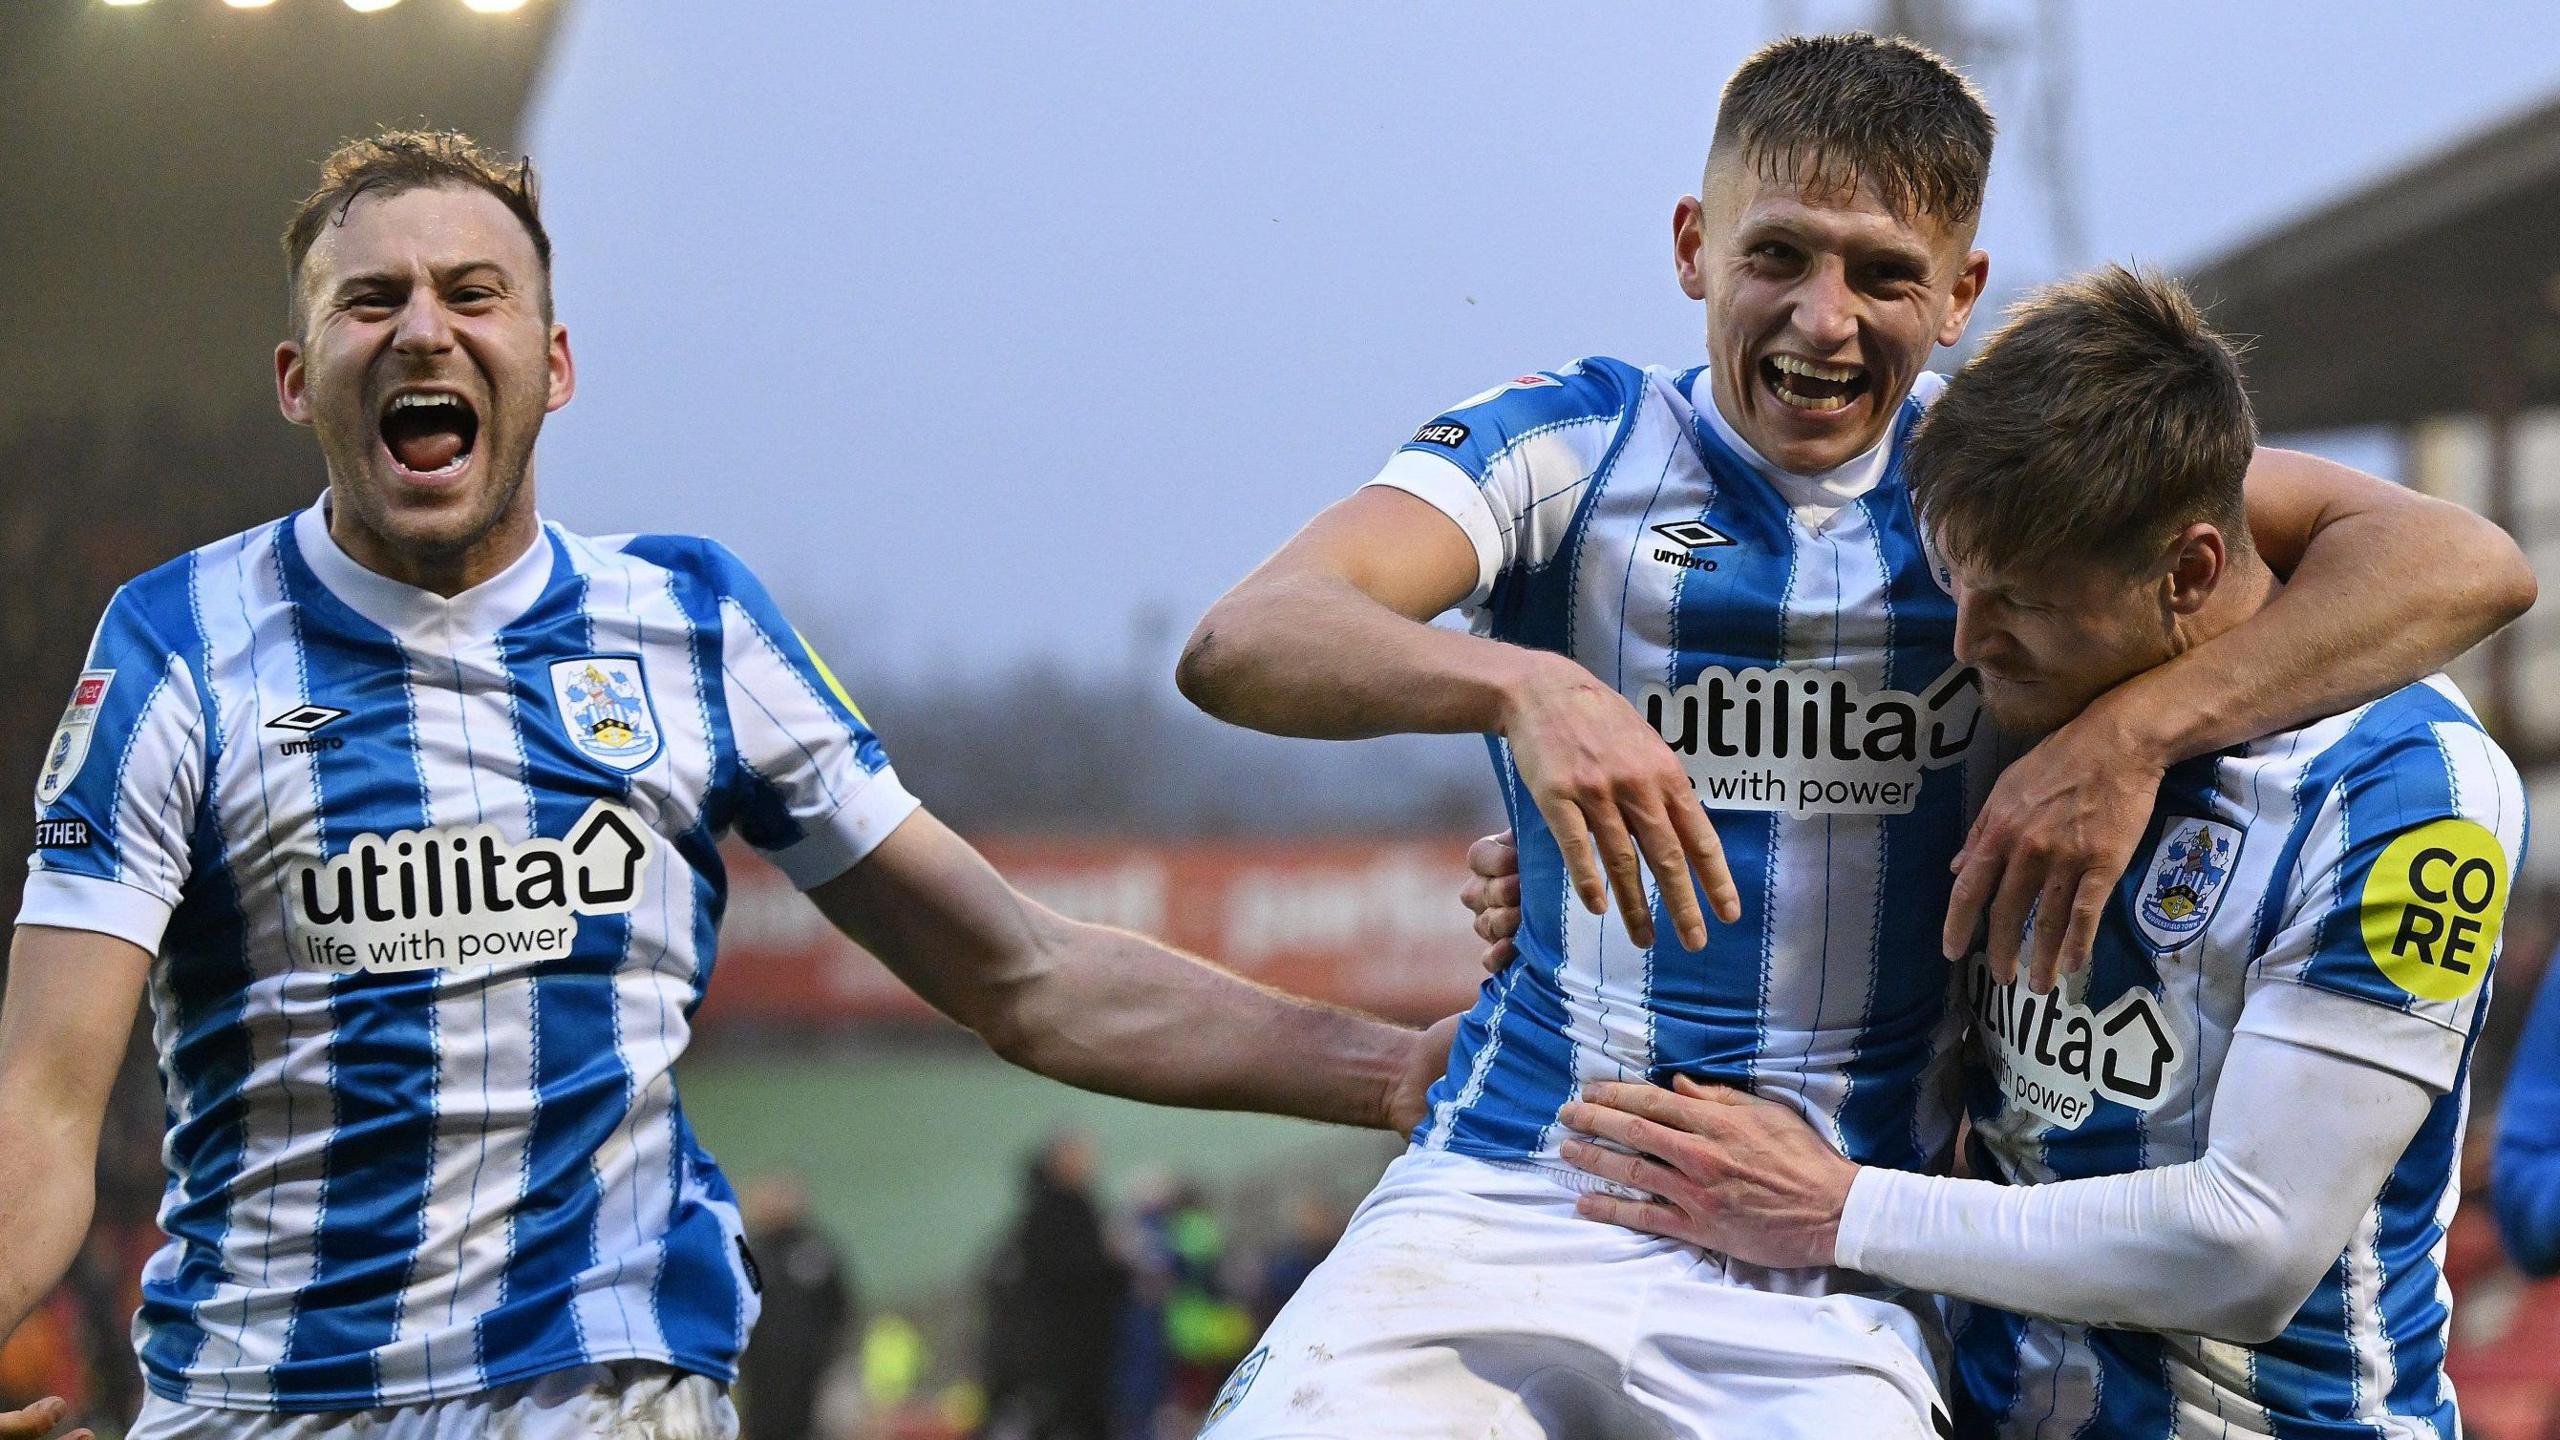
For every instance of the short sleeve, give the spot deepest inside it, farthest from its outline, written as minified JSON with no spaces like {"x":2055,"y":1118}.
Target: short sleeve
{"x":118,"y":787}
{"x":819,"y":790}
{"x":1510,"y":465}
{"x":2393,"y":922}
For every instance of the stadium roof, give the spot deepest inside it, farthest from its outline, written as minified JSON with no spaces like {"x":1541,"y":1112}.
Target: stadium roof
{"x":2433,"y":290}
{"x":150,"y":154}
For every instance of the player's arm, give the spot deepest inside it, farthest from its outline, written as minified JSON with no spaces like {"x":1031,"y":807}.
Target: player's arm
{"x":2525,"y":1183}
{"x":1106,"y":1010}
{"x":63,"y":1027}
{"x":2384,"y":586}
{"x":1330,"y":638}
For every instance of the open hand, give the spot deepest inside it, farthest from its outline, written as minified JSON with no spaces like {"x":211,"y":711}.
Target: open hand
{"x":2048,"y":847}
{"x":1730,"y":1172}
{"x":1617,"y":802}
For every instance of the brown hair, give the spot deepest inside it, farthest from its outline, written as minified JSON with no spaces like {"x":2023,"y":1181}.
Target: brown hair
{"x":393,"y":161}
{"x":2103,"y":417}
{"x":1827,"y":110}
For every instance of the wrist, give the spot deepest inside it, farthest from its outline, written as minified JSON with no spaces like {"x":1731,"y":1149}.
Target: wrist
{"x":2126,"y":722}
{"x":1530,"y":677}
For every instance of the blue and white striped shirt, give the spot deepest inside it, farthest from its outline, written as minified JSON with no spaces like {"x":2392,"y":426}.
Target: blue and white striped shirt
{"x":1800,"y":660}
{"x":2339,"y":886}
{"x":433,"y":886}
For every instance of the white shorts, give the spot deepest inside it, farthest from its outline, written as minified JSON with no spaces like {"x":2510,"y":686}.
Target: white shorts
{"x":625,"y":1397}
{"x":1467,"y":1298}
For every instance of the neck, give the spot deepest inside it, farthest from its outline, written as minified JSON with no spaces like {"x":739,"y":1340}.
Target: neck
{"x":439,"y":570}
{"x":2246,"y":587}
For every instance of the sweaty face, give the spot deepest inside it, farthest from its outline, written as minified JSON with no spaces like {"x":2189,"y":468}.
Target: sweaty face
{"x":426,"y":366}
{"x":1822,"y":308}
{"x":2046,"y":643}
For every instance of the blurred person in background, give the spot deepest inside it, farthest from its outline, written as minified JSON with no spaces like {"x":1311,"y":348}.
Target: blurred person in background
{"x":1314,"y":1224}
{"x":2525,"y":1172}
{"x":1054,"y":1293}
{"x":810,"y":1306}
{"x":405,"y":811}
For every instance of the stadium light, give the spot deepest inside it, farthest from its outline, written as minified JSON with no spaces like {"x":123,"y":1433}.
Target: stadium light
{"x":121,"y":4}
{"x":367,"y":7}
{"x":248,"y":4}
{"x":493,"y":7}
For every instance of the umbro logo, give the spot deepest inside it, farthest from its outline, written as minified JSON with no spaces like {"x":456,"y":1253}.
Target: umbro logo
{"x":303,"y":719}
{"x":1689,"y":535}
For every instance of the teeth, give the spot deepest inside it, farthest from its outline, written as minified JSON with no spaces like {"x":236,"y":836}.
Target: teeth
{"x":1836,"y":374}
{"x":417,"y":397}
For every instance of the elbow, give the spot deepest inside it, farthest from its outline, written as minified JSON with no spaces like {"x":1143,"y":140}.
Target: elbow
{"x":2513,"y":588}
{"x":2263,"y":1288}
{"x":1207,"y":672}
{"x":2501,"y":579}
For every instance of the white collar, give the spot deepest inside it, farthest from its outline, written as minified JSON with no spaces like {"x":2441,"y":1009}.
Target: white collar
{"x":1814,"y":497}
{"x":409,"y":612}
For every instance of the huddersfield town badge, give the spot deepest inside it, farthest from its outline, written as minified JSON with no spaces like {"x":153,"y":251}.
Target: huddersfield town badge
{"x":604,"y":707}
{"x":1231,"y":1394}
{"x":2188,"y":873}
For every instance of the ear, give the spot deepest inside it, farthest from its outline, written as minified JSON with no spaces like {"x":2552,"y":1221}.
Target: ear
{"x":291,"y":396}
{"x":2198,"y":560}
{"x":1968,"y":292}
{"x":1688,"y":239}
{"x":564,"y":371}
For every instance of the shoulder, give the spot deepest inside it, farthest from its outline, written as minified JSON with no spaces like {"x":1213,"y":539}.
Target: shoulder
{"x":695,"y":565}
{"x":164,"y":601}
{"x":1594,"y":392}
{"x":2421,"y":754}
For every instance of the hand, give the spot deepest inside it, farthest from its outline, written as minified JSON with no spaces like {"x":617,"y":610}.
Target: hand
{"x":1604,"y":780}
{"x":1410,"y":1103}
{"x":37,"y":1421}
{"x":1492,"y":895}
{"x":1732,"y":1173}
{"x":2049,"y":846}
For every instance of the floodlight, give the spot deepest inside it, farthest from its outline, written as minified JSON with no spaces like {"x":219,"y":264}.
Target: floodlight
{"x":248,"y":4}
{"x":121,"y":4}
{"x":367,"y":7}
{"x":493,"y":7}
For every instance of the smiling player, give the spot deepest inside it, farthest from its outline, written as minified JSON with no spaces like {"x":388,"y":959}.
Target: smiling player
{"x":1709,"y":584}
{"x":407,"y":810}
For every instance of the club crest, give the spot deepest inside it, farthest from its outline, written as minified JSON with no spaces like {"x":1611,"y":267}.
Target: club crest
{"x":604,"y":708}
{"x":70,"y":743}
{"x":2189,"y":871}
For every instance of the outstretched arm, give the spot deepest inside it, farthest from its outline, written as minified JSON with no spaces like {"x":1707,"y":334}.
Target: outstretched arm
{"x":1106,"y":1010}
{"x":63,"y":1029}
{"x":1330,"y":638}
{"x":2384,"y":587}
{"x":2228,"y":1245}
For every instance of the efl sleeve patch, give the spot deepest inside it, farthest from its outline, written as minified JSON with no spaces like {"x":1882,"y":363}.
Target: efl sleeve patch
{"x":2431,"y":907}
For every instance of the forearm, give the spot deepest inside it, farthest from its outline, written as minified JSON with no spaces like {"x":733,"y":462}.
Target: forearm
{"x":1117,"y":1013}
{"x":2379,"y":600}
{"x":1311,"y":656}
{"x":47,"y":1191}
{"x":2227,"y":1245}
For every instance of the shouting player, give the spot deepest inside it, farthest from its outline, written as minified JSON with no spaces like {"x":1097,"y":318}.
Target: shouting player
{"x":408,"y":810}
{"x":1710,"y":583}
{"x":2240,"y":1129}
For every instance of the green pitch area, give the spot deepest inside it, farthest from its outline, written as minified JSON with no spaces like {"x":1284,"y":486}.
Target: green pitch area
{"x":913,"y":1154}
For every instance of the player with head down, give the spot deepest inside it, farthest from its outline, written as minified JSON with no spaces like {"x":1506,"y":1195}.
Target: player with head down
{"x":2240,"y":1128}
{"x":1710,"y":644}
{"x":406,"y":809}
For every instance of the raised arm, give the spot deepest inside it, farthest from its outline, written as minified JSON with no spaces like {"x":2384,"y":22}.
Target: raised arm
{"x":63,"y":1029}
{"x":2384,"y":586}
{"x":1106,"y":1010}
{"x":1330,"y":638}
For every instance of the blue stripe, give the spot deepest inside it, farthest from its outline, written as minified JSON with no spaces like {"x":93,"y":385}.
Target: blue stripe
{"x":1710,"y":1013}
{"x":582,"y":1087}
{"x":382,"y":1045}
{"x":2134,"y":1399}
{"x":1987,"y":1369}
{"x":705,"y":1312}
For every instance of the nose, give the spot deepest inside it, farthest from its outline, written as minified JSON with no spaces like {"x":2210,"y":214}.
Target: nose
{"x":1826,"y":309}
{"x":424,"y":327}
{"x":1976,"y":636}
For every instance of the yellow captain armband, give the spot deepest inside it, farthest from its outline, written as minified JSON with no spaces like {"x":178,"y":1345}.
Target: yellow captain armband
{"x":834,"y":686}
{"x":2432,"y":906}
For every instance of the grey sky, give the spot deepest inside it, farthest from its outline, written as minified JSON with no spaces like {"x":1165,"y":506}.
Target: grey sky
{"x":979,"y":328}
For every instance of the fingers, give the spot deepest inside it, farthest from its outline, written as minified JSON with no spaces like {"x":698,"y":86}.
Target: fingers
{"x":1633,"y":1171}
{"x":2088,"y":908}
{"x":1573,"y":840}
{"x":2020,"y":885}
{"x":1494,"y":856}
{"x":1496,"y":926}
{"x":1630,"y":1130}
{"x":1977,"y":878}
{"x":1626,"y":871}
{"x":1497,"y":955}
{"x":1706,"y":856}
{"x":35,"y":1420}
{"x":1651,"y":1217}
{"x":2052,"y":920}
{"x":1665,"y":855}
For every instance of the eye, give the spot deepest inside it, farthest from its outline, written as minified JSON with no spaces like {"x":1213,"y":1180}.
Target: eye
{"x":474,"y":295}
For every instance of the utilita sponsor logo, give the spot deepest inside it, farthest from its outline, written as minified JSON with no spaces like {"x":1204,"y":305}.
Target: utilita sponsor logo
{"x":2054,"y":1058}
{"x":1811,"y":741}
{"x":461,"y":895}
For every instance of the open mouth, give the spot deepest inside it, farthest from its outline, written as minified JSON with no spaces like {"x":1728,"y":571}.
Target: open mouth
{"x":429,"y":432}
{"x":1810,"y":385}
